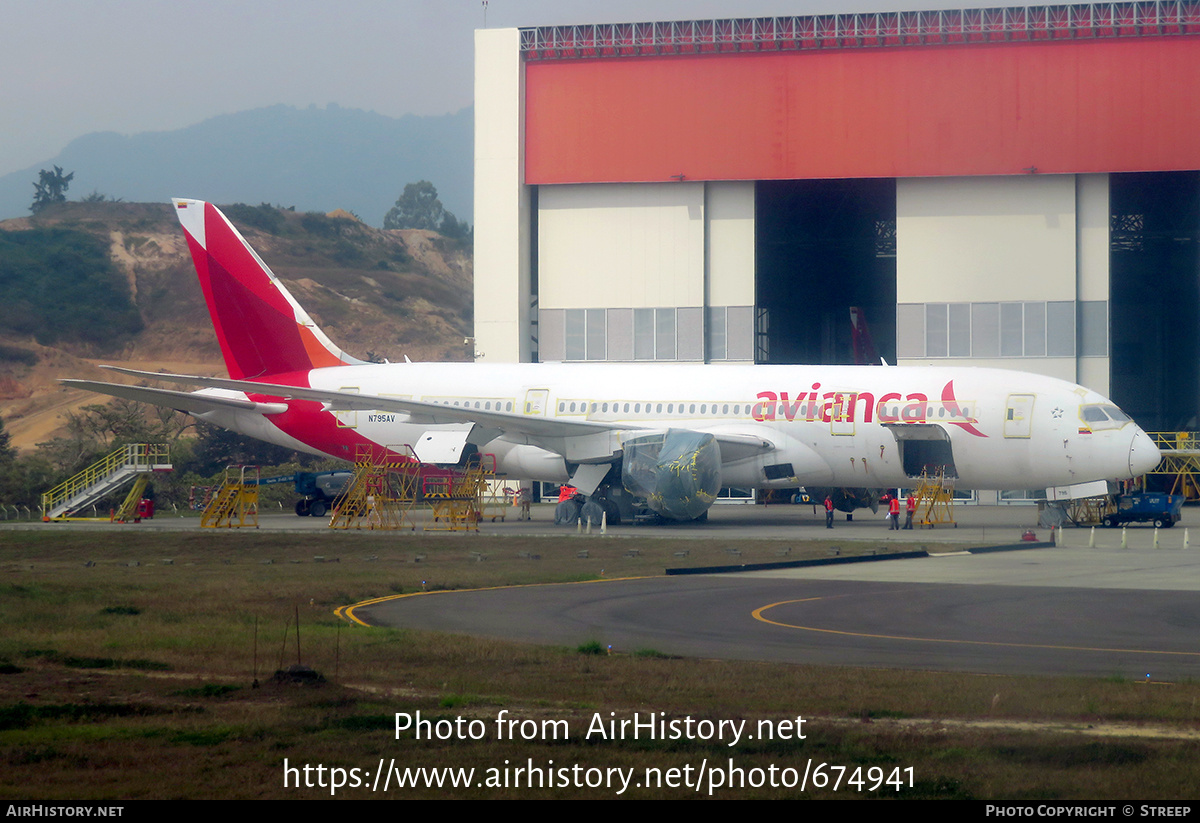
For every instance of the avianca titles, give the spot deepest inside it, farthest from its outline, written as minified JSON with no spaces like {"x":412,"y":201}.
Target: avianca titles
{"x":664,"y":436}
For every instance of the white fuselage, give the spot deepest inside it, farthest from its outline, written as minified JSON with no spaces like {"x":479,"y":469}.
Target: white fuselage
{"x":819,"y":425}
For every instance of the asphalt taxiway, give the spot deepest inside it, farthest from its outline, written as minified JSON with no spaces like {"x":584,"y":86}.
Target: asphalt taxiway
{"x":1078,"y":609}
{"x":1108,"y":602}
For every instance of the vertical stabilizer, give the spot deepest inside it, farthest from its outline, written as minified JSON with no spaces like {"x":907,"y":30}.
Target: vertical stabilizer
{"x":261,"y":328}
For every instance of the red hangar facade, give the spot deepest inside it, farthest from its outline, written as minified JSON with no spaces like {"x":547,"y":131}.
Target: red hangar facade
{"x":1008,"y":187}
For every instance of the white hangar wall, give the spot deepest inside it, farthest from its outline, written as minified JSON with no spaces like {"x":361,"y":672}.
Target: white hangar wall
{"x":503,"y":292}
{"x":646,"y":271}
{"x":1005,"y":271}
{"x":666,"y":271}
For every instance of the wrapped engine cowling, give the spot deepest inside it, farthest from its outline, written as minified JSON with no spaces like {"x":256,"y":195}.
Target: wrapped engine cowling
{"x":678,"y":473}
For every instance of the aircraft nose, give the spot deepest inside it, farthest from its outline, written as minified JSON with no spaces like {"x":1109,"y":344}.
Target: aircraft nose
{"x":1143,"y":454}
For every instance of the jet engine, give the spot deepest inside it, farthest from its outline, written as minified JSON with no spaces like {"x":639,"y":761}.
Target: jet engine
{"x":677,"y":472}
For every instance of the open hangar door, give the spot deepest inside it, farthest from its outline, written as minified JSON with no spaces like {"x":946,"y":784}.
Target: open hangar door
{"x":1155,"y":285}
{"x":823,"y":246}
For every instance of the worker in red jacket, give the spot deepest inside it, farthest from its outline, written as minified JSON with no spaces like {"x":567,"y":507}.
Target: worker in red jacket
{"x":829,"y":511}
{"x":911,"y":509}
{"x":894,"y":514}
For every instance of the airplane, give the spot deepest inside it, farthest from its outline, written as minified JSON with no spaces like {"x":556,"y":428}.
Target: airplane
{"x":666,"y":437}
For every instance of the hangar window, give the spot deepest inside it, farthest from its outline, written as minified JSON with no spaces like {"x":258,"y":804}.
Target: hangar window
{"x":1011,"y":330}
{"x":1018,"y":329}
{"x":643,"y":334}
{"x":935,"y":330}
{"x":634,"y":334}
{"x":654,"y":334}
{"x":664,"y":334}
{"x":585,"y":334}
{"x":948,"y":330}
{"x":716,"y":332}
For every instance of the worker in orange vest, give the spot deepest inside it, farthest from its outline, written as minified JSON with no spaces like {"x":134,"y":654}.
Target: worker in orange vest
{"x":829,"y":511}
{"x":911,"y":509}
{"x":894,"y":514}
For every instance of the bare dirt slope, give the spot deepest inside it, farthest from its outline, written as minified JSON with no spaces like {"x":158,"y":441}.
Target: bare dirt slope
{"x":378,"y":294}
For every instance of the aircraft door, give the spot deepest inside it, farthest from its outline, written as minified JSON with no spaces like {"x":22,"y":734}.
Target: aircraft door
{"x":536,"y":401}
{"x":925,"y":449}
{"x":1018,"y":416}
{"x":841,"y":414}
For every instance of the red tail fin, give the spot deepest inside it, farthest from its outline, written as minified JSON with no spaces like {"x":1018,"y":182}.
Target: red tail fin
{"x":260,"y":326}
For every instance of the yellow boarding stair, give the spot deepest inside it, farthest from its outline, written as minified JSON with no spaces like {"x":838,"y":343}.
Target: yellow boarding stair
{"x":235,"y":503}
{"x":104,"y":477}
{"x":454,"y":501}
{"x":935,"y":500}
{"x":382,"y":492}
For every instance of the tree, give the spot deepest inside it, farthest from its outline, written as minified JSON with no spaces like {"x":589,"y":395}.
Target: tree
{"x":417,"y":208}
{"x":216,"y":448}
{"x":51,"y":188}
{"x":97,"y":429}
{"x":97,"y":197}
{"x":7,"y":452}
{"x":454,"y":228}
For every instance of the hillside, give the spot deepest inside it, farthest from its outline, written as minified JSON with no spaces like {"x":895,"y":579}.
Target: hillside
{"x":312,"y":158}
{"x":378,"y":294}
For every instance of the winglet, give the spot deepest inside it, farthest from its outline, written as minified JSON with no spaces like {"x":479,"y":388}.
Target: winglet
{"x":261,"y":328}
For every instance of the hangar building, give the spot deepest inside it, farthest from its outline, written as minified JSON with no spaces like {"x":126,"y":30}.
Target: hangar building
{"x":1015,"y":187}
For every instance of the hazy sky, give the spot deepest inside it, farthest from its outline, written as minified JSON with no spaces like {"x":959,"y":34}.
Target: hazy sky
{"x":70,"y":67}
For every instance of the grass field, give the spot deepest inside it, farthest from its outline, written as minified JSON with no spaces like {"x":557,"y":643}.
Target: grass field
{"x":128,"y":661}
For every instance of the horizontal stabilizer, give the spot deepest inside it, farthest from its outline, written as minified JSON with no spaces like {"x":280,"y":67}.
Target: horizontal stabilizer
{"x":507,"y":422}
{"x":188,"y":402}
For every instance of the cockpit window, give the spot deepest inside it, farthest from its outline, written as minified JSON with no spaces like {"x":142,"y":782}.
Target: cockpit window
{"x":1099,"y":417}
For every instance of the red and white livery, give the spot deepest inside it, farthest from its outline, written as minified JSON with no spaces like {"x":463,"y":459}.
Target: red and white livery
{"x":669,"y":435}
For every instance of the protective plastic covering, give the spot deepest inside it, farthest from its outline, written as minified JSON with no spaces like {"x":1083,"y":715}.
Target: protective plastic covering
{"x":678,"y":473}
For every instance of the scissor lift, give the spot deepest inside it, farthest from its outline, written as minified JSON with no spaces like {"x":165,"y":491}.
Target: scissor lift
{"x":1180,"y":463}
